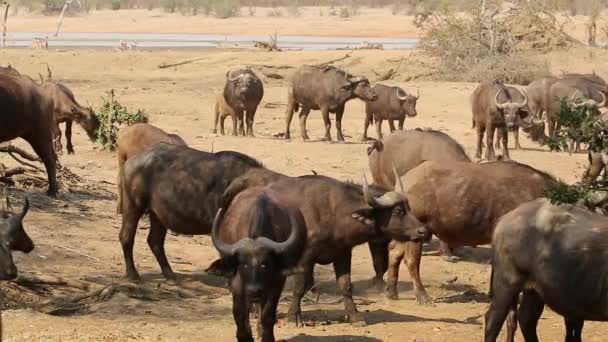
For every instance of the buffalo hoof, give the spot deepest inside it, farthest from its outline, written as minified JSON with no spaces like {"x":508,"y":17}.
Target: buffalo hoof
{"x":450,"y":258}
{"x":327,"y":139}
{"x":52,"y":192}
{"x":134,"y":277}
{"x":392,"y":294}
{"x":70,"y":151}
{"x":357,"y":319}
{"x":377,"y":283}
{"x":305,"y":137}
{"x":214,"y":131}
{"x":364,"y":139}
{"x":423,"y":299}
{"x":295,"y":318}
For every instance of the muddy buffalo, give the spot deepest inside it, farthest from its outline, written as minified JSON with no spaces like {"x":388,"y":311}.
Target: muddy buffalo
{"x":398,"y":154}
{"x":536,"y":92}
{"x":327,"y":89}
{"x":497,"y":106}
{"x":461,"y":202}
{"x":243,"y":92}
{"x":393,"y":103}
{"x":538,"y":250}
{"x":68,"y":110}
{"x":133,"y":140}
{"x":261,"y":237}
{"x":12,"y":238}
{"x":27,"y":113}
{"x":181,"y":189}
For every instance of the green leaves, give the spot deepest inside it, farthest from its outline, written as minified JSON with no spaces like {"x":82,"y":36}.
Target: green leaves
{"x":112,"y":115}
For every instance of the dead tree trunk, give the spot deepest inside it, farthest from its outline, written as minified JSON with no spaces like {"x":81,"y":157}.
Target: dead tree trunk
{"x":4,"y":25}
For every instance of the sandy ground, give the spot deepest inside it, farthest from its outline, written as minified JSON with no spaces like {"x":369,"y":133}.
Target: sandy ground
{"x":180,"y":100}
{"x":312,"y":21}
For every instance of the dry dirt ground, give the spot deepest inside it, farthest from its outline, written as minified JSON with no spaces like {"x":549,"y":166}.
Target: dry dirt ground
{"x":77,"y":235}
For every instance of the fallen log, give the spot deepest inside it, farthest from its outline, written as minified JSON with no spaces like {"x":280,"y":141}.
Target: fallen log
{"x":28,"y":280}
{"x":165,"y":65}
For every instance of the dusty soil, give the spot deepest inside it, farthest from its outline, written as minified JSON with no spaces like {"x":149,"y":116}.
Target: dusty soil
{"x":77,"y":235}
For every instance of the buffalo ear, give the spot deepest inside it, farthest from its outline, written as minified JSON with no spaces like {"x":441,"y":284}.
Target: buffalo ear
{"x":223,"y":267}
{"x":365,"y":216}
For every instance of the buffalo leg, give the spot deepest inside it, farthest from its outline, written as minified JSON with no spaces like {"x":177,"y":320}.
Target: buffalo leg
{"x":490,"y":155}
{"x":480,"y":133}
{"x":379,"y":128}
{"x":327,"y":122}
{"x":401,"y":122}
{"x":57,"y":139}
{"x":574,"y":330}
{"x":504,"y":135}
{"x":516,"y":138}
{"x":68,"y":137}
{"x":366,"y":121}
{"x":269,"y":312}
{"x":130,"y":218}
{"x":303,"y":116}
{"x":339,"y":115}
{"x":504,"y":299}
{"x":239,"y":115}
{"x":291,"y":108}
{"x":240,"y":311}
{"x":446,"y":252}
{"x":342,"y":267}
{"x":156,"y":241}
{"x":300,"y":280}
{"x":593,"y":170}
{"x":412,"y":258}
{"x":528,"y":314}
{"x":395,"y":256}
{"x":222,"y":121}
{"x":379,"y":252}
{"x":44,"y":149}
{"x":391,"y":125}
{"x":249,"y":115}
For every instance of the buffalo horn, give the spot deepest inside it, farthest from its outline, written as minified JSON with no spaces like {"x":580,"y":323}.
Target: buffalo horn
{"x":231,"y":79}
{"x":398,"y":179}
{"x":398,"y":91}
{"x":417,"y":94}
{"x":525,"y":102}
{"x":225,"y":249}
{"x":499,"y":105}
{"x":603,"y":103}
{"x":387,"y":200}
{"x":286,"y":246}
{"x":356,"y":79}
{"x":575,"y":95}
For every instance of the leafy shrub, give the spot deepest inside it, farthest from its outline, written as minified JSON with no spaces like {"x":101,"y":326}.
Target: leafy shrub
{"x":115,"y":5}
{"x":112,"y":114}
{"x":275,"y":12}
{"x":225,"y":9}
{"x":344,"y":12}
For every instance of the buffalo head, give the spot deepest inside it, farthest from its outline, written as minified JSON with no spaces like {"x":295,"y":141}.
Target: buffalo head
{"x":258,"y":260}
{"x":242,"y":81}
{"x":88,"y":120}
{"x":408,"y":102}
{"x":577,"y":100}
{"x":12,"y":238}
{"x":360,"y":88}
{"x":391,"y":214}
{"x":511,"y":110}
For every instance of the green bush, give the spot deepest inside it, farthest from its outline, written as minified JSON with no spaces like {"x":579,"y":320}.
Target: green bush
{"x":112,"y":114}
{"x":116,"y":5}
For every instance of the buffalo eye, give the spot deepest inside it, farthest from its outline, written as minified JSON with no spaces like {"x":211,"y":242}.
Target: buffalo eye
{"x":399,"y":211}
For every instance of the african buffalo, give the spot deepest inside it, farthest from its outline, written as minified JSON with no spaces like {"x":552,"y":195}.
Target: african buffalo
{"x":261,"y":236}
{"x":68,"y":110}
{"x":339,"y":216}
{"x":9,"y":70}
{"x":497,"y":106}
{"x":181,"y":189}
{"x":28,"y":113}
{"x":324,"y":88}
{"x":593,"y":77}
{"x":460,"y":202}
{"x":392,"y":103}
{"x":222,"y":111}
{"x":598,"y":161}
{"x":133,"y":140}
{"x":12,"y":238}
{"x":401,"y":152}
{"x":536,"y":92}
{"x":243,"y":92}
{"x":553,"y":255}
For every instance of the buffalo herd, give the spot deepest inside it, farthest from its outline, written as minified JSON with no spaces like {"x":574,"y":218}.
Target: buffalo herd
{"x":267,"y":226}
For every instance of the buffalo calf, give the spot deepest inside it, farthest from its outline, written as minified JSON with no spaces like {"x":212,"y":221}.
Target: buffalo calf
{"x":392,"y":103}
{"x":261,"y":236}
{"x":12,"y":238}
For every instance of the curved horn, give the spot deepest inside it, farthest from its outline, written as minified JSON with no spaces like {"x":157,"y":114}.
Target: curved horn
{"x":41,"y":79}
{"x":603,"y":103}
{"x":356,"y":79}
{"x":25,"y":209}
{"x":225,"y":249}
{"x":575,"y":95}
{"x":231,"y":79}
{"x":525,"y":103}
{"x":398,"y":178}
{"x":402,"y":98}
{"x":369,"y":198}
{"x":286,"y":246}
{"x":417,"y":94}
{"x":498,"y":105}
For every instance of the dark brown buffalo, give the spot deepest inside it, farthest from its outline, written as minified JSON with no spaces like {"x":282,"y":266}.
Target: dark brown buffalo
{"x":133,"y":140}
{"x":243,"y":92}
{"x":9,"y":70}
{"x":181,"y":189}
{"x":338,"y":217}
{"x":460,"y":202}
{"x":552,"y":255}
{"x":27,"y":113}
{"x":392,"y":103}
{"x":12,"y":238}
{"x":261,"y":237}
{"x":327,"y":89}
{"x":497,"y":106}
{"x":68,"y":110}
{"x":397,"y":155}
